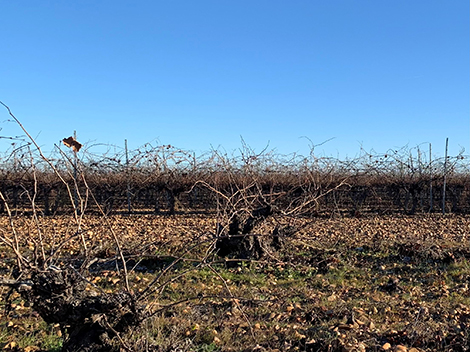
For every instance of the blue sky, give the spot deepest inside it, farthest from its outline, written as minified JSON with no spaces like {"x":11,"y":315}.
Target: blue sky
{"x":202,"y":74}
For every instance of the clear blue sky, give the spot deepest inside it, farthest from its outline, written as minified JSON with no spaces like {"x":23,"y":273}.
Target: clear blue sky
{"x":197,"y":73}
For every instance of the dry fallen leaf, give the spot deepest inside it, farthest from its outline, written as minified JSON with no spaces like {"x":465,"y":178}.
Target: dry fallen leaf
{"x":361,"y":347}
{"x":360,"y":322}
{"x":345,"y":327}
{"x":31,"y":348}
{"x":10,"y":345}
{"x":331,"y":298}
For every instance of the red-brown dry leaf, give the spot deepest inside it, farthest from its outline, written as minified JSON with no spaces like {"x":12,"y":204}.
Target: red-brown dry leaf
{"x":72,"y":143}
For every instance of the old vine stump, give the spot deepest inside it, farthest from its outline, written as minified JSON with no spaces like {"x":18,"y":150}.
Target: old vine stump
{"x":89,"y":319}
{"x":240,"y":243}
